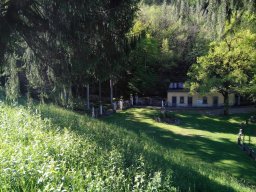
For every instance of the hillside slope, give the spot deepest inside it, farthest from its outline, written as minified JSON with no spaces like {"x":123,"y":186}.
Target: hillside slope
{"x":52,"y":149}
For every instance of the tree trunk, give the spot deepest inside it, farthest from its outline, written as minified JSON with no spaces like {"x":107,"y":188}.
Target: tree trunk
{"x":111,"y":91}
{"x":100,"y":97}
{"x":4,"y":37}
{"x":226,"y":103}
{"x":88,"y":96}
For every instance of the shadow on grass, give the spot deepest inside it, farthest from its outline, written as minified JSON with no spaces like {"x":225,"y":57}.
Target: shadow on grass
{"x":215,"y":124}
{"x":184,"y":177}
{"x":222,"y":151}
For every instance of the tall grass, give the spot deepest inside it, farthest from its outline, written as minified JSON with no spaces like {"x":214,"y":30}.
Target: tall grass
{"x":52,"y":149}
{"x":39,"y":155}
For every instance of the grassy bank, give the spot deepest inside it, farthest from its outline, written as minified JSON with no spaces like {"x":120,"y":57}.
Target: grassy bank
{"x":52,"y":149}
{"x":207,"y":145}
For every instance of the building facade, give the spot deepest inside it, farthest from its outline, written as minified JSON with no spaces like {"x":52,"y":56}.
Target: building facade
{"x":178,"y":96}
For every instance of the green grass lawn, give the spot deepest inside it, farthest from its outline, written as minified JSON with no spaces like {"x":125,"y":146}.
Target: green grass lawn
{"x":210,"y":140}
{"x":47,"y":148}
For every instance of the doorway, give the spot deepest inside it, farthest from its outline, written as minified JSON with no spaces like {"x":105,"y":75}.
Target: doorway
{"x":216,"y":101}
{"x":190,"y":101}
{"x":174,"y":101}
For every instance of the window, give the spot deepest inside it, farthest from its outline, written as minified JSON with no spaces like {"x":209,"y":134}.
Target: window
{"x":190,"y":101}
{"x":205,"y":100}
{"x":180,"y":85}
{"x":181,"y":100}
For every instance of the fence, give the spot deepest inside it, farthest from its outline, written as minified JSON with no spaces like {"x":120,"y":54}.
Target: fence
{"x":245,"y":138}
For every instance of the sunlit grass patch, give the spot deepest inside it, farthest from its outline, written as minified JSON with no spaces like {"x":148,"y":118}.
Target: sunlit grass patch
{"x":204,"y":142}
{"x":48,"y":148}
{"x":69,"y":153}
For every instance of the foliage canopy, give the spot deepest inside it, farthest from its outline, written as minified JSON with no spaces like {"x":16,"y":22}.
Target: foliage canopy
{"x":228,"y":67}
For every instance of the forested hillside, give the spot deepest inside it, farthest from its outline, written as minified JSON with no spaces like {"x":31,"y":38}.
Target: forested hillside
{"x":61,"y":49}
{"x":177,"y":33}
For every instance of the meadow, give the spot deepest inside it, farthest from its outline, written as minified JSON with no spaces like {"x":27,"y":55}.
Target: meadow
{"x":47,"y":148}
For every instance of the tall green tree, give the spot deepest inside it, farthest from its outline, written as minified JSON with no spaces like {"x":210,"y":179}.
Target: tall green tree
{"x":185,"y":28}
{"x":228,"y":67}
{"x":68,"y":38}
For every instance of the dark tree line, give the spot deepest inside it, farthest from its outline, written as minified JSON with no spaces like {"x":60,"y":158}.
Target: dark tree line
{"x":178,"y":32}
{"x":64,"y":43}
{"x":63,"y":47}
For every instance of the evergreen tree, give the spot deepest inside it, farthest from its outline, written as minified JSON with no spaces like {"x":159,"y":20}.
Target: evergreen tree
{"x":66,"y":38}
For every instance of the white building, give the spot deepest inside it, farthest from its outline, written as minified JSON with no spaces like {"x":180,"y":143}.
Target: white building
{"x":178,"y":96}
